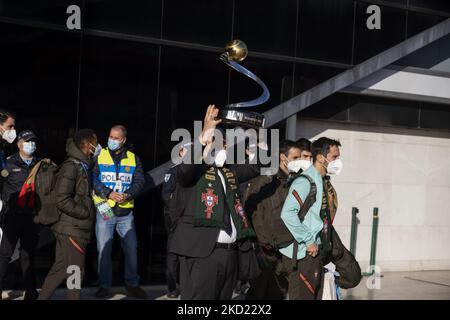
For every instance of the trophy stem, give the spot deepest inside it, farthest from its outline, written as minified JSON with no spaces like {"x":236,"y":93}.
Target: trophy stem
{"x":236,"y":66}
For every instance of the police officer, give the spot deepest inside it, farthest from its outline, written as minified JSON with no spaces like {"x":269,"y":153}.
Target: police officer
{"x":117,"y":178}
{"x":19,"y":202}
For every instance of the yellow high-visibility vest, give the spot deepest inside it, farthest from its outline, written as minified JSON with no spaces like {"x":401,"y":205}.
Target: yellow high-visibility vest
{"x":117,"y":178}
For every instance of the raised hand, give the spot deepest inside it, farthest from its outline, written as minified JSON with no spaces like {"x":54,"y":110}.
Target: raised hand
{"x":209,"y":124}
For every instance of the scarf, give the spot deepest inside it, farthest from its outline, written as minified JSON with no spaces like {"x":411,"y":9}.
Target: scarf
{"x":27,"y":194}
{"x":327,"y":213}
{"x":331,"y":197}
{"x":211,"y":200}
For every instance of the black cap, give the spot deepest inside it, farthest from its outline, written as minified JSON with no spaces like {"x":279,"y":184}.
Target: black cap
{"x":26,"y":135}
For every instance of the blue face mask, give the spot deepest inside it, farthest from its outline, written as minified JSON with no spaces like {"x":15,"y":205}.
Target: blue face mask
{"x":29,"y":147}
{"x":113,"y":145}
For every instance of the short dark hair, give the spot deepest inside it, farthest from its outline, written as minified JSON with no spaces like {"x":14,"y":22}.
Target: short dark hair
{"x":322,"y":146}
{"x":82,"y":136}
{"x":121,"y":128}
{"x":4,"y":115}
{"x":286,"y":145}
{"x":304,"y":144}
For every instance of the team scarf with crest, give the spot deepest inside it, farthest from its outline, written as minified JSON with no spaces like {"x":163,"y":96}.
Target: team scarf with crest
{"x":211,"y":201}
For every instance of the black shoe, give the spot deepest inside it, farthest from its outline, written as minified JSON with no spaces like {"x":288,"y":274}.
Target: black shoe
{"x":137,"y":292}
{"x":173,"y":295}
{"x":30,"y":295}
{"x":102,"y":293}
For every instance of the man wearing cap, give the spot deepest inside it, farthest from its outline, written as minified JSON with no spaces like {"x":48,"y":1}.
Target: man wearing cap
{"x":20,"y":207}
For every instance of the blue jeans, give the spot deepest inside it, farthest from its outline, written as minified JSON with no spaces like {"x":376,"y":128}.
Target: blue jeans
{"x":104,"y":230}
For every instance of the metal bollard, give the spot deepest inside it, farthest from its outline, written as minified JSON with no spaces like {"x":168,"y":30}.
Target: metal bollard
{"x":354,"y":230}
{"x":373,"y":246}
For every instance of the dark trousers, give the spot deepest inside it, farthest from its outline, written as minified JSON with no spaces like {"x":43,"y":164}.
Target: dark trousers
{"x":305,"y":279}
{"x":70,"y":251}
{"x":172,"y":268}
{"x":19,"y":226}
{"x":210,"y":278}
{"x":268,"y":285}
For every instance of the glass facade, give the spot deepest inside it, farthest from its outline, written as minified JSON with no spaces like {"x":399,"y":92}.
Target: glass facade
{"x":154,"y":66}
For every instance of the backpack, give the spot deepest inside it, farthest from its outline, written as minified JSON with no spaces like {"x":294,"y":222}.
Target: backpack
{"x":271,"y":227}
{"x":47,"y":212}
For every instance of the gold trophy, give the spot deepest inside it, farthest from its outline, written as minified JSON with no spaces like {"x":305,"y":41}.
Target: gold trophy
{"x":233,"y":114}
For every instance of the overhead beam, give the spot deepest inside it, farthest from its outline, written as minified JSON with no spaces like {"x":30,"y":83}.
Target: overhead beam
{"x":360,"y":71}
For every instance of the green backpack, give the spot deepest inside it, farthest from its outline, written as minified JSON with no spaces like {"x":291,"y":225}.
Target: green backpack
{"x":281,"y":236}
{"x":271,"y":229}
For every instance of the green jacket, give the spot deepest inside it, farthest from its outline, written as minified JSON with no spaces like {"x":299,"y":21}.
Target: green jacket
{"x":308,"y":231}
{"x":73,"y":196}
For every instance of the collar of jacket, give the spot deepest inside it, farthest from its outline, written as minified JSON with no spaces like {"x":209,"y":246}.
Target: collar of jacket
{"x":19,"y":161}
{"x":282,"y":176}
{"x":313,"y":173}
{"x":122,"y":154}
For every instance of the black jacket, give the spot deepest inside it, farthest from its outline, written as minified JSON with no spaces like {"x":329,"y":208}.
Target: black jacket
{"x":18,"y":172}
{"x":193,"y":241}
{"x":73,"y":195}
{"x":172,"y":195}
{"x":137,"y":186}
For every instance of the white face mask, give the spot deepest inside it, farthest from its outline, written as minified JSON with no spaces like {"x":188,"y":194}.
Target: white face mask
{"x":9,"y":135}
{"x":98,"y":149}
{"x":220,"y":158}
{"x":335,"y":166}
{"x":294,"y":166}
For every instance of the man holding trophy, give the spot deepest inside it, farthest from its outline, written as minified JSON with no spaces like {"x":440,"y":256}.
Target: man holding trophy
{"x":214,"y":236}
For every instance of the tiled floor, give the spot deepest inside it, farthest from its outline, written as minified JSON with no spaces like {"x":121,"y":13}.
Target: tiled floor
{"x":393,"y":286}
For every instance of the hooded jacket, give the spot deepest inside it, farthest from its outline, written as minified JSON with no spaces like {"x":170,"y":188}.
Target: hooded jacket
{"x":73,"y":195}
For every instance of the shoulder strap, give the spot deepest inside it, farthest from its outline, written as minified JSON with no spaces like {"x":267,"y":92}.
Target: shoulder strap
{"x":310,"y":199}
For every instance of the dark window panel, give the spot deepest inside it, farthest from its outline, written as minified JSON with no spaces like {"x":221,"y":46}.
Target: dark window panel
{"x":384,"y":112}
{"x":118,"y":86}
{"x":266,"y":25}
{"x":326,"y":30}
{"x":334,"y":107}
{"x":50,"y":11}
{"x":429,"y":56}
{"x":201,"y":21}
{"x":275,"y":74}
{"x":190,"y":81}
{"x":308,"y":76}
{"x":435,"y":116}
{"x":137,"y":17}
{"x":369,"y":43}
{"x":38,"y":82}
{"x":418,"y":22}
{"x":439,"y":5}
